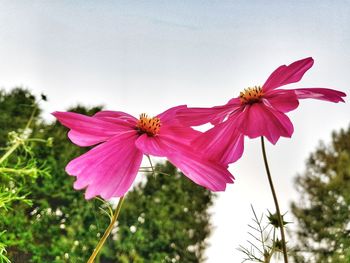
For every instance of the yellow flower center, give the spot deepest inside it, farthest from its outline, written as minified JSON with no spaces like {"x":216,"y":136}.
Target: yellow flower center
{"x":251,"y":95}
{"x":148,"y":125}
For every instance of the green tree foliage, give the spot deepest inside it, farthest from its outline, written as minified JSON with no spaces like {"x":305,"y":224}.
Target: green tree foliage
{"x":169,"y":213}
{"x":323,"y":213}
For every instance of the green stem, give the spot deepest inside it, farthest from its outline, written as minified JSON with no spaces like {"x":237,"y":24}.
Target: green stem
{"x":150,"y":162}
{"x":36,"y":140}
{"x":31,"y":118}
{"x":107,"y":232}
{"x":10,"y":151}
{"x":280,"y":221}
{"x":19,"y":171}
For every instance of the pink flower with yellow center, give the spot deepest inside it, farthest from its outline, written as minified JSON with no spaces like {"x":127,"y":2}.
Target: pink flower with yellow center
{"x":110,"y":168}
{"x":258,"y":111}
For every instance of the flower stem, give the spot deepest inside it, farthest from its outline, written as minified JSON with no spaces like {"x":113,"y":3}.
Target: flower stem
{"x":280,"y":221}
{"x":19,"y":171}
{"x":150,"y":162}
{"x":10,"y":151}
{"x":107,"y":232}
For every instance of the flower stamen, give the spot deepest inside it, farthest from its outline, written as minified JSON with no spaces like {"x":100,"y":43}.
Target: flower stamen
{"x":251,"y":95}
{"x":150,"y":126}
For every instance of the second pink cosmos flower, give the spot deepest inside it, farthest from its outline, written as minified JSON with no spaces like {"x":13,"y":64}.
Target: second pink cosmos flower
{"x":258,"y":111}
{"x":110,"y":168}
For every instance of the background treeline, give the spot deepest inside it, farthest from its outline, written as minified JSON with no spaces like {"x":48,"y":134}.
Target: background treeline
{"x":323,"y":212}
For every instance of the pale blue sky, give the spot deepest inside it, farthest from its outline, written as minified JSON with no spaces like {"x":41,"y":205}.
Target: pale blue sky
{"x":145,"y":56}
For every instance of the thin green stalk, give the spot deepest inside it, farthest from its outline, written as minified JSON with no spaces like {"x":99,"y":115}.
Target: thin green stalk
{"x":15,"y":170}
{"x":36,"y":140}
{"x":150,"y":162}
{"x":280,"y":221}
{"x":107,"y":232}
{"x":10,"y":151}
{"x":31,"y":118}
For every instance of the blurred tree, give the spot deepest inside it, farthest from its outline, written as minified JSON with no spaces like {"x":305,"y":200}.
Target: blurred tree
{"x":323,"y":212}
{"x":165,"y":218}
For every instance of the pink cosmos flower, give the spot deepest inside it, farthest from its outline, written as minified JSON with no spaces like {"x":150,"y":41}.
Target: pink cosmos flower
{"x":258,"y":111}
{"x":110,"y":168}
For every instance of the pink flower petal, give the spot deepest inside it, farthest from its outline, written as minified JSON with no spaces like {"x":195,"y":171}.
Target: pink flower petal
{"x":203,"y":172}
{"x":183,"y":133}
{"x":281,"y":100}
{"x":109,"y":169}
{"x":223,"y":143}
{"x":260,"y":120}
{"x":151,"y":145}
{"x":199,"y":116}
{"x":168,"y":117}
{"x":284,"y":75}
{"x":116,"y":116}
{"x":96,"y":130}
{"x":320,"y":94}
{"x":85,"y":139}
{"x":157,"y":145}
